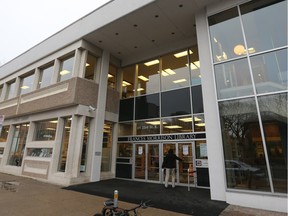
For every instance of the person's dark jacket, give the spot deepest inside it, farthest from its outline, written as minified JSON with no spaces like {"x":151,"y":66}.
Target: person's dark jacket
{"x":170,"y":160}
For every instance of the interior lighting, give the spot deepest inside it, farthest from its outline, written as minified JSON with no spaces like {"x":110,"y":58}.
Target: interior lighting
{"x":54,"y":121}
{"x":110,"y":75}
{"x":64,"y":72}
{"x":143,"y":78}
{"x":140,"y":89}
{"x":173,"y":127}
{"x":197,"y":119}
{"x":169,"y":71}
{"x":25,"y":87}
{"x":87,"y":64}
{"x":179,"y":81}
{"x":125,"y":83}
{"x":197,"y":63}
{"x":200,"y":124}
{"x":192,"y":66}
{"x":153,"y":122}
{"x":239,"y":49}
{"x":153,"y":62}
{"x":189,"y":119}
{"x":184,"y":53}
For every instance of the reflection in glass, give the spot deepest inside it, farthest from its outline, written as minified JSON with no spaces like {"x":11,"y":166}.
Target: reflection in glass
{"x":233,"y":79}
{"x":148,"y":79}
{"x":243,"y":147}
{"x":199,"y":123}
{"x":66,"y":69}
{"x":270,"y":71}
{"x":125,"y":129}
{"x":273,"y":109}
{"x":147,"y":106}
{"x":176,"y":102}
{"x":126,"y":109}
{"x":223,"y":26}
{"x":185,"y":152}
{"x":194,"y":66}
{"x":90,"y":67}
{"x":128,"y":81}
{"x":197,"y":99}
{"x":153,"y":162}
{"x":151,"y":126}
{"x":45,"y":130}
{"x":39,"y":152}
{"x":265,"y":32}
{"x":46,"y":75}
{"x":175,"y":71}
{"x":26,"y":84}
{"x":180,"y":124}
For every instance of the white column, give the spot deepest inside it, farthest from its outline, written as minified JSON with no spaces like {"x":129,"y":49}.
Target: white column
{"x":36,"y":79}
{"x":57,"y":64}
{"x":100,"y":117}
{"x":212,"y":121}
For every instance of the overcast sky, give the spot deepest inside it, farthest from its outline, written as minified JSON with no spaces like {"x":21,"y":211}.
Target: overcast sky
{"x":25,"y":23}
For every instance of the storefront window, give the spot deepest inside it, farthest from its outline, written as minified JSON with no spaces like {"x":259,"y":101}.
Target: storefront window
{"x":124,"y":150}
{"x":64,"y":144}
{"x":1,"y":150}
{"x":201,"y":149}
{"x":26,"y":84}
{"x":128,"y":82}
{"x":4,"y":133}
{"x":45,"y":130}
{"x":148,"y":78}
{"x":181,"y":124}
{"x":175,"y":71}
{"x":46,"y":75}
{"x":245,"y":162}
{"x":90,"y":67}
{"x":147,"y":106}
{"x":66,"y":69}
{"x":125,"y":129}
{"x":273,"y":109}
{"x":151,"y":126}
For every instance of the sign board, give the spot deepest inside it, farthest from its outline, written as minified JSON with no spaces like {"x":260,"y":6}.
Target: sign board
{"x":201,"y":163}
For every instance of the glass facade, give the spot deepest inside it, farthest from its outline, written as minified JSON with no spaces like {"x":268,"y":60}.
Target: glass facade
{"x":66,"y":69}
{"x":45,"y":77}
{"x":251,"y":80}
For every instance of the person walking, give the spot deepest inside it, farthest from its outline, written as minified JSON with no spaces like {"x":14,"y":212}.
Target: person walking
{"x":169,"y":164}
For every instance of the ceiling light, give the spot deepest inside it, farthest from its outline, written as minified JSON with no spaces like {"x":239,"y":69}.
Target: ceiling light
{"x":140,"y":89}
{"x":110,"y":75}
{"x":181,"y":54}
{"x":239,"y":49}
{"x":153,"y":62}
{"x":153,"y":122}
{"x":87,"y":64}
{"x":173,"y":127}
{"x":200,"y":124}
{"x":125,"y":83}
{"x":25,"y":87}
{"x":143,"y":78}
{"x":64,"y":72}
{"x":179,"y":81}
{"x":192,"y":66}
{"x":197,"y":63}
{"x":189,"y":119}
{"x":54,"y":121}
{"x":197,"y":119}
{"x":163,"y":73}
{"x":170,"y":71}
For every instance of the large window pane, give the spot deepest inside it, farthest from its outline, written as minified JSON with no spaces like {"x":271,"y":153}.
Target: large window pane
{"x":66,"y":69}
{"x":64,"y":144}
{"x":126,"y":109}
{"x":148,"y":127}
{"x":199,"y":123}
{"x":176,"y":102}
{"x":197,"y":99}
{"x":263,"y":31}
{"x":147,"y":106}
{"x":45,"y":130}
{"x":194,"y":66}
{"x":90,"y":68}
{"x":10,"y":90}
{"x":26,"y":84}
{"x":148,"y":78}
{"x":46,"y":75}
{"x":274,"y":118}
{"x":243,"y":147}
{"x":223,"y":26}
{"x":181,"y":124}
{"x":233,"y":79}
{"x":175,"y":71}
{"x":128,"y":82}
{"x":270,"y":71}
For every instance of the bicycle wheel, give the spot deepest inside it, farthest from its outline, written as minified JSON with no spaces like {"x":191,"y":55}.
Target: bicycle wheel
{"x":107,"y":212}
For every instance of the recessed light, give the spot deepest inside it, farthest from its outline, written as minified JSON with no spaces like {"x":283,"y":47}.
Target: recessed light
{"x":156,"y":16}
{"x":153,"y":62}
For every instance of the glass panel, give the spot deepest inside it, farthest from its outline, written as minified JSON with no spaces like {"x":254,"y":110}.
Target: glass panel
{"x":45,"y":130}
{"x":18,"y":144}
{"x":46,"y":77}
{"x":197,"y":99}
{"x":140,"y":161}
{"x":126,"y":109}
{"x":181,"y":124}
{"x":151,"y":126}
{"x":90,"y":69}
{"x":85,"y":144}
{"x":26,"y":84}
{"x":175,"y":71}
{"x":153,"y":162}
{"x":223,"y":25}
{"x":128,"y":82}
{"x":112,"y":75}
{"x":270,"y":71}
{"x":66,"y":69}
{"x":4,"y":133}
{"x":243,"y":147}
{"x":201,"y":149}
{"x":194,"y":66}
{"x":10,"y":90}
{"x":265,"y":32}
{"x":233,"y":79}
{"x":180,"y":105}
{"x":273,"y":110}
{"x":148,"y":78}
{"x":147,"y":106}
{"x":124,"y":150}
{"x":39,"y":152}
{"x":64,"y":144}
{"x":125,"y":129}
{"x":199,"y":123}
{"x":107,"y":147}
{"x":185,"y":153}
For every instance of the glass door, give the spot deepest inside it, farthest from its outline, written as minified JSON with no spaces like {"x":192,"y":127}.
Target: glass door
{"x":153,"y":162}
{"x":140,"y":161}
{"x":186,"y":167}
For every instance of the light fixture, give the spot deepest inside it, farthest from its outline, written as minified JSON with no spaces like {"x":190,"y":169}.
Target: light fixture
{"x":197,"y":63}
{"x":25,"y":87}
{"x":173,"y":127}
{"x":184,"y":53}
{"x":64,"y":72}
{"x":125,"y":83}
{"x":192,"y":66}
{"x":54,"y":121}
{"x":179,"y":81}
{"x":110,"y":75}
{"x":140,"y":89}
{"x":87,"y":64}
{"x":239,"y":49}
{"x":188,"y":119}
{"x":143,"y":78}
{"x":169,"y":71}
{"x":200,"y":124}
{"x":153,"y":122}
{"x":153,"y":62}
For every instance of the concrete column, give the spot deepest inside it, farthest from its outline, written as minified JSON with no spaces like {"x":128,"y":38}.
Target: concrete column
{"x":36,"y":79}
{"x":57,"y":65}
{"x":100,"y":117}
{"x":82,"y":64}
{"x":17,"y":87}
{"x":212,"y":121}
{"x":77,"y":62}
{"x":4,"y":92}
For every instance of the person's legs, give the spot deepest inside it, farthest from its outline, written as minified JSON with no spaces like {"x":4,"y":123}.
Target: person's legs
{"x":173,"y":177}
{"x":167,"y":173}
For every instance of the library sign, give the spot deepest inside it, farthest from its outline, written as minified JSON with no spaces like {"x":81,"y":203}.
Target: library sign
{"x":168,"y":137}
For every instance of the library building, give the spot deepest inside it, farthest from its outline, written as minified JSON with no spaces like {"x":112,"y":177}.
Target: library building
{"x":107,"y":97}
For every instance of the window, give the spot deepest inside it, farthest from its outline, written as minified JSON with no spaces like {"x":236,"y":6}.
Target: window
{"x":4,"y":133}
{"x":126,"y":109}
{"x":64,"y":144}
{"x":128,"y":82}
{"x":18,"y":144}
{"x":46,"y":75}
{"x":91,"y":66}
{"x":180,"y":124}
{"x":85,"y":144}
{"x":66,"y":69}
{"x":45,"y":130}
{"x":125,"y":129}
{"x":39,"y":152}
{"x":147,"y":106}
{"x":112,"y":77}
{"x":124,"y":150}
{"x":194,"y":66}
{"x":1,"y":90}
{"x":10,"y":90}
{"x":151,"y":126}
{"x":107,"y":147}
{"x":197,"y":99}
{"x":199,"y":123}
{"x":26,"y":84}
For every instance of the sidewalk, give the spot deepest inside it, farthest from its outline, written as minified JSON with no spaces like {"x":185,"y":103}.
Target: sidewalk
{"x":28,"y":197}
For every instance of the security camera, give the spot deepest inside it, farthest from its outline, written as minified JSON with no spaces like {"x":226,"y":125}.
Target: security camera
{"x":91,"y":108}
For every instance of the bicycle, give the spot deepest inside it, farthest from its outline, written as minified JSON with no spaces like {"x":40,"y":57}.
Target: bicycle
{"x":110,"y":210}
